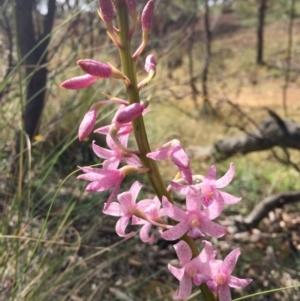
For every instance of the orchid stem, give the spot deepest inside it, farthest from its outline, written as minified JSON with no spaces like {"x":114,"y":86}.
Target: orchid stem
{"x":129,"y":69}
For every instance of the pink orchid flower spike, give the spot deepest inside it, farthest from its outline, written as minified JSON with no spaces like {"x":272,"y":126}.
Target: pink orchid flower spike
{"x":191,"y":270}
{"x":179,"y":157}
{"x":210,"y":187}
{"x":126,"y":208}
{"x":221,"y":278}
{"x":197,"y":222}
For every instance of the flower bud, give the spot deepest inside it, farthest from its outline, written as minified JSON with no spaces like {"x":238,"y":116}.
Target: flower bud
{"x":87,"y":124}
{"x":131,"y":4}
{"x":150,"y":63}
{"x":107,"y":10}
{"x":102,"y":70}
{"x":79,"y":82}
{"x":147,"y":15}
{"x":95,"y":68}
{"x":131,"y":112}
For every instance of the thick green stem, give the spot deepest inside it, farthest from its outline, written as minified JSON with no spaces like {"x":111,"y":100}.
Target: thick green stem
{"x":129,"y":69}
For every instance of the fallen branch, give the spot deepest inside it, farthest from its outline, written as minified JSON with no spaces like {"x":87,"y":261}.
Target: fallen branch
{"x":270,"y":133}
{"x":262,"y":209}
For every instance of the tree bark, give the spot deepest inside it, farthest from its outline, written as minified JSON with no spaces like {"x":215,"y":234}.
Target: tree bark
{"x":260,"y":31}
{"x":33,"y":49}
{"x":206,"y":102}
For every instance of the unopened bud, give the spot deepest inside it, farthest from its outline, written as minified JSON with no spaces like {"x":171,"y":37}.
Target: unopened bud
{"x":87,"y":124}
{"x":131,"y":4}
{"x":107,"y":10}
{"x":150,"y":63}
{"x":131,"y":112}
{"x":102,"y":70}
{"x":147,"y":15}
{"x":95,"y":68}
{"x":79,"y":82}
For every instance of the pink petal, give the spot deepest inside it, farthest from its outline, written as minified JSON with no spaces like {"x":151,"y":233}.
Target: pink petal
{"x":91,"y":176}
{"x":237,"y":282}
{"x":176,"y":231}
{"x":179,"y":157}
{"x":213,"y":268}
{"x":103,"y":130}
{"x":230,"y":261}
{"x":114,"y":209}
{"x":79,"y":82}
{"x":227,"y":178}
{"x":185,"y":288}
{"x":176,"y":272}
{"x":160,"y":155}
{"x":135,"y":189}
{"x":224,"y":293}
{"x":112,"y":195}
{"x":193,"y":199}
{"x":211,"y":174}
{"x":150,"y":207}
{"x":101,"y":152}
{"x":173,"y":211}
{"x":182,"y":189}
{"x":199,"y":279}
{"x":121,"y":227}
{"x":215,"y":208}
{"x":111,"y":164}
{"x":207,"y":253}
{"x":87,"y":169}
{"x":144,"y":233}
{"x":126,"y":201}
{"x":87,"y":124}
{"x":213,"y":229}
{"x":125,"y":129}
{"x":133,"y":160}
{"x":183,"y":252}
{"x":186,"y":174}
{"x":229,"y":199}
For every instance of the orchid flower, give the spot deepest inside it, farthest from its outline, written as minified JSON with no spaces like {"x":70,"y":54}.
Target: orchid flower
{"x":191,"y":269}
{"x":114,"y":156}
{"x":221,"y":278}
{"x":179,"y":157}
{"x":151,"y":209}
{"x":126,"y":208}
{"x":196,"y":221}
{"x":210,"y":187}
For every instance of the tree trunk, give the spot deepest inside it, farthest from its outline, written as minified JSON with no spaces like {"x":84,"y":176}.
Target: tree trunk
{"x":260,"y":31}
{"x":33,"y":46}
{"x":207,"y":109}
{"x":33,"y":49}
